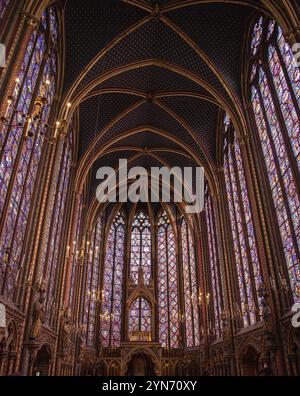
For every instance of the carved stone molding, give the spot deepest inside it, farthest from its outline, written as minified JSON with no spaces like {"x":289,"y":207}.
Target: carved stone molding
{"x":30,"y":19}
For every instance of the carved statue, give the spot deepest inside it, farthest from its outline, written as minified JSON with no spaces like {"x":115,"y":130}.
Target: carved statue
{"x":263,"y":294}
{"x":225,"y":321}
{"x":267,"y":338}
{"x":80,"y":341}
{"x":227,"y":341}
{"x":66,"y":327}
{"x":38,"y":313}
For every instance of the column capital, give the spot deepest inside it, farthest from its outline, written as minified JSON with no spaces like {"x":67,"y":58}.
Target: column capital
{"x":243,"y":139}
{"x":30,"y":19}
{"x":292,"y":35}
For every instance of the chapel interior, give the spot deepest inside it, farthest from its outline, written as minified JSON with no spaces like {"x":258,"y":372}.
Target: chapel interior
{"x":148,"y":288}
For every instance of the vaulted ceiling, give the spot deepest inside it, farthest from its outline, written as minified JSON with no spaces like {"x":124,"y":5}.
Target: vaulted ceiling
{"x":149,"y":78}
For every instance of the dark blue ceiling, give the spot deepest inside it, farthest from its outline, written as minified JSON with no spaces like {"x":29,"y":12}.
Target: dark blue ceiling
{"x":217,"y":29}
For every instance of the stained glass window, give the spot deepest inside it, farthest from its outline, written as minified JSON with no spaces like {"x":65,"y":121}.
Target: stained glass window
{"x":275,"y":96}
{"x":140,"y":257}
{"x":167,"y":284}
{"x":214,"y":276}
{"x":140,"y":316}
{"x":73,"y":252}
{"x":256,"y":37}
{"x":54,"y":228}
{"x":3,"y":7}
{"x":113,"y":284}
{"x":243,"y":235}
{"x":20,"y":157}
{"x":190,"y":283}
{"x":91,"y":290}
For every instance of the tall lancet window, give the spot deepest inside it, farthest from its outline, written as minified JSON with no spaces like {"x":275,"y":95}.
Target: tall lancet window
{"x":140,"y":320}
{"x":190,"y":284}
{"x":91,"y":290}
{"x":54,"y":227}
{"x":3,"y":7}
{"x":21,"y":143}
{"x":275,"y":97}
{"x":73,"y":255}
{"x":214,"y":273}
{"x":112,"y":284}
{"x":167,"y":284}
{"x":243,"y":235}
{"x":140,"y":257}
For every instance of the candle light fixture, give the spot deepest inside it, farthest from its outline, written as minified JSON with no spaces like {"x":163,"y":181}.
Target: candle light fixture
{"x":32,"y":121}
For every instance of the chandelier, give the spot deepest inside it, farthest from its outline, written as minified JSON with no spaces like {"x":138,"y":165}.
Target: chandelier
{"x":31,"y":122}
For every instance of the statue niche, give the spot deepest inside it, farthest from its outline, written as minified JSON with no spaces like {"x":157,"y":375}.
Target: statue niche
{"x":38,"y":312}
{"x":66,"y":326}
{"x":140,"y":311}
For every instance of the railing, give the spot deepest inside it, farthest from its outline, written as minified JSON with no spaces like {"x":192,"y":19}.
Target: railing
{"x":140,"y":336}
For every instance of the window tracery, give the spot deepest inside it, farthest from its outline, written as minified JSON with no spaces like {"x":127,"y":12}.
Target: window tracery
{"x":242,"y":228}
{"x":190,"y":283}
{"x":167,"y":284}
{"x":21,"y":146}
{"x":140,"y":257}
{"x":111,"y":311}
{"x":275,"y":97}
{"x":214,"y":266}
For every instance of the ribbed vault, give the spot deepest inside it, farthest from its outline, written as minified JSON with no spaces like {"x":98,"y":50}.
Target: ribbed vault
{"x":154,"y":75}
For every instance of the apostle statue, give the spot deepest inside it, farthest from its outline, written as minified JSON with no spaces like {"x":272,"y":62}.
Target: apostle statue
{"x":38,"y":312}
